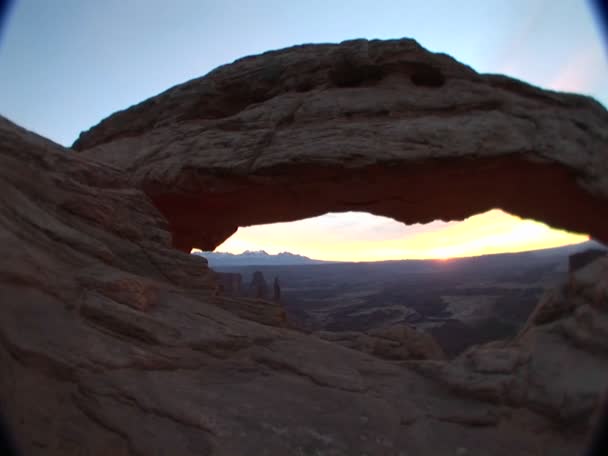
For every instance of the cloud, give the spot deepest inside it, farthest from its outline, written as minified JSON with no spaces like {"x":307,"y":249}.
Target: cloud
{"x":581,"y":73}
{"x":523,"y":33}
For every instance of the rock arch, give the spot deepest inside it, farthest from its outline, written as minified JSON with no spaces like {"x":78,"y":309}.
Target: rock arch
{"x":379,"y":126}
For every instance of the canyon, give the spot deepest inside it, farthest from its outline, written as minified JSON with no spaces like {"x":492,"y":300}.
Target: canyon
{"x":461,"y":302}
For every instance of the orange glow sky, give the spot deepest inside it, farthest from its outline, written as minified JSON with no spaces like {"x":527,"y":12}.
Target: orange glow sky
{"x":356,"y":236}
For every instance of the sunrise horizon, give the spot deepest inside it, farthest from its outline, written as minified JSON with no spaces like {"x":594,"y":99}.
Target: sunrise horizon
{"x":402,"y":259}
{"x":363,"y":237}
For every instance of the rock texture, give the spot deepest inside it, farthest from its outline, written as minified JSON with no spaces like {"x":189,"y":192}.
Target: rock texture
{"x":379,"y":126}
{"x":111,"y":342}
{"x":398,"y":342}
{"x":557,"y":366}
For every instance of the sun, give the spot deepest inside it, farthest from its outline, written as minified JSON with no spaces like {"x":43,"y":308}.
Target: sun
{"x":442,"y":254}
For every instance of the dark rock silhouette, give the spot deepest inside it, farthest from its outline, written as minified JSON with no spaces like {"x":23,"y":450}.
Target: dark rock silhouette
{"x":579,"y":260}
{"x":258,"y":287}
{"x":230,"y":282}
{"x":276,"y":290}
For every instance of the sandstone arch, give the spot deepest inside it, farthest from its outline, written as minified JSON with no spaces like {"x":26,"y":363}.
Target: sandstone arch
{"x":379,"y":126}
{"x":114,"y":340}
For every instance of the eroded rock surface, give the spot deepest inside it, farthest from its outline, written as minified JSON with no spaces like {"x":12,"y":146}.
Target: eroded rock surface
{"x":379,"y":126}
{"x":111,"y":342}
{"x":397,"y":342}
{"x":557,"y":365}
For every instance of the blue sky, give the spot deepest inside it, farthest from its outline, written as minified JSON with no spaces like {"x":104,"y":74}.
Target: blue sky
{"x":66,"y":64}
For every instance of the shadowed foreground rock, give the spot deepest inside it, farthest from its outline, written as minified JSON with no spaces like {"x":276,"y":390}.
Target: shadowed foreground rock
{"x":113,"y":342}
{"x":379,"y":126}
{"x":557,"y":366}
{"x":397,"y":342}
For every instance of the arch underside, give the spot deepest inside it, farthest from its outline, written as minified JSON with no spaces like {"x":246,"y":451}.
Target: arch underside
{"x":448,"y":189}
{"x":379,"y":126}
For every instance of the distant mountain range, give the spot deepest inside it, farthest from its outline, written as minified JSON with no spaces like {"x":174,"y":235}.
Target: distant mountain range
{"x":256,"y":258}
{"x":263,"y":258}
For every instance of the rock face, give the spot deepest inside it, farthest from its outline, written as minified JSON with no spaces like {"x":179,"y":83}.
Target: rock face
{"x":398,"y":343}
{"x":557,"y":366}
{"x":113,"y":342}
{"x":379,"y":126}
{"x":276,"y":290}
{"x":258,"y":287}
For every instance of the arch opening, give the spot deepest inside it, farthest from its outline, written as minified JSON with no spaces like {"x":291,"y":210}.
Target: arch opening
{"x":464,"y":283}
{"x":364,"y":237}
{"x":213,"y":207}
